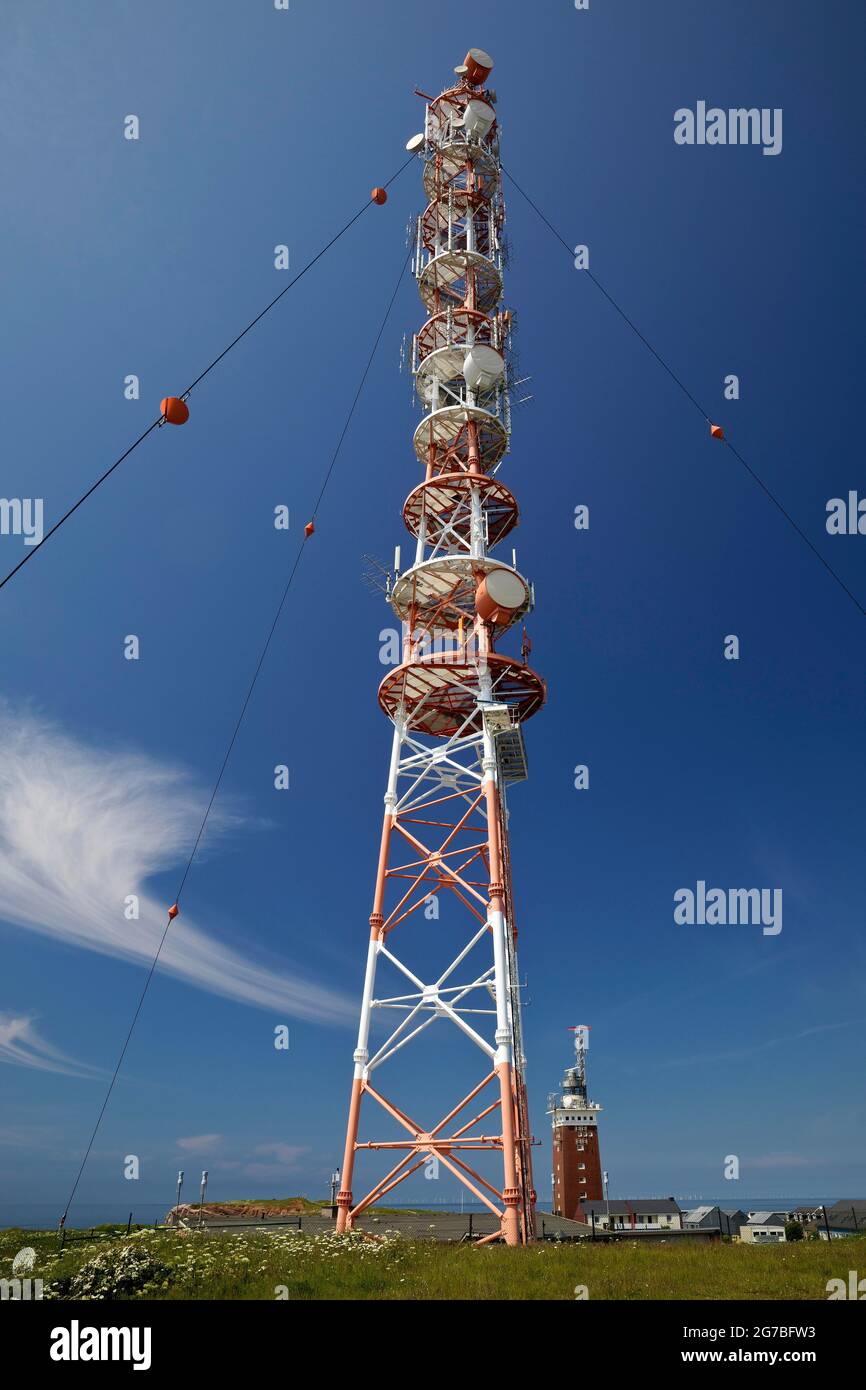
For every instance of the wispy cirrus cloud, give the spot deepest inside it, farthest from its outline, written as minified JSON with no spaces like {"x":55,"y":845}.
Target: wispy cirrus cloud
{"x":742,"y":1053}
{"x":82,"y":828}
{"x":22,"y":1045}
{"x":268,"y":1162}
{"x":200,"y":1143}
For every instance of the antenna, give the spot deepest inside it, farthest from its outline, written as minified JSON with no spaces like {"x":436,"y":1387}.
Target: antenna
{"x":581,"y":1047}
{"x":375,"y":575}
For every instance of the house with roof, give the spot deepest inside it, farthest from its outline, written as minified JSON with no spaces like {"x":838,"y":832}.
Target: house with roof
{"x":764,"y":1228}
{"x":633,"y":1214}
{"x":845,"y":1218}
{"x":724,"y":1219}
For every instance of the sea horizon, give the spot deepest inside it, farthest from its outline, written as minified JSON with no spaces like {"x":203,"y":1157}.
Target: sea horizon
{"x":45,"y":1216}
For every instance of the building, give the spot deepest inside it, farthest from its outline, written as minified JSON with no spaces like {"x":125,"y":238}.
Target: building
{"x":764,"y":1228}
{"x":846,"y":1218}
{"x":577,"y":1175}
{"x":727,"y":1221}
{"x":635,"y":1214}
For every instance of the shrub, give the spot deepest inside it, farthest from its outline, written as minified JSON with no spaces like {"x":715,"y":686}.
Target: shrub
{"x":113,"y":1273}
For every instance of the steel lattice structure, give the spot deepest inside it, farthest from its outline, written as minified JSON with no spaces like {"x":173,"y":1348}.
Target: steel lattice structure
{"x":456,"y":703}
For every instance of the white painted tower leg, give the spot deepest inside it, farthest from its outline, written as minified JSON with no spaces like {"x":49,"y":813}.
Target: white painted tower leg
{"x":362,"y":1053}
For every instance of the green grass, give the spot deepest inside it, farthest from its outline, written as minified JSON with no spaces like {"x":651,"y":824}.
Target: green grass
{"x":303,"y":1204}
{"x":308,"y":1207}
{"x":255,"y":1265}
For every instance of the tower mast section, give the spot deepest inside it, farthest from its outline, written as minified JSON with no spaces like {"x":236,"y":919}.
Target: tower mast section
{"x":457,"y":705}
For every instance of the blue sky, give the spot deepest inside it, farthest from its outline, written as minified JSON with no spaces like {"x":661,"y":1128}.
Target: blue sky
{"x":260,"y":128}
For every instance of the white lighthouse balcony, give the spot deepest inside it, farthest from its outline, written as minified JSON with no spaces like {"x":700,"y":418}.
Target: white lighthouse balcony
{"x":571,"y":1110}
{"x":568,"y":1120}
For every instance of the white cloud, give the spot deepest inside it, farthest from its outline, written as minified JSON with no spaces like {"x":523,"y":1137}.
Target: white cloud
{"x":21,"y":1045}
{"x":287,"y":1154}
{"x":200,"y":1143}
{"x":741,"y":1053}
{"x":81,"y":828}
{"x":30,"y":1137}
{"x":264,"y":1172}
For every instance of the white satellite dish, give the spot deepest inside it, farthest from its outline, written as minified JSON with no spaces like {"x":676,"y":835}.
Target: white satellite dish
{"x":415,"y":143}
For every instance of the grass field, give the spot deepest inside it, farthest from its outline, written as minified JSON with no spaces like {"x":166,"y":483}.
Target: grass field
{"x":167,"y":1264}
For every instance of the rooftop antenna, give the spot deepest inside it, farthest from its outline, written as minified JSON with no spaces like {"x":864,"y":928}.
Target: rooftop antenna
{"x":581,"y":1047}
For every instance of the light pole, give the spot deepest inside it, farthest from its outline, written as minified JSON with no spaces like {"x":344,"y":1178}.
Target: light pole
{"x":606,"y":1197}
{"x":203,"y":1191}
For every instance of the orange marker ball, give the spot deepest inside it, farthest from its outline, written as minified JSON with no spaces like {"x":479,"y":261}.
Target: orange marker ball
{"x":175,"y":410}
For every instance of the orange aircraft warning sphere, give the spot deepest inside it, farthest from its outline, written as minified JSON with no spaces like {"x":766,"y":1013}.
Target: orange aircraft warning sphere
{"x":175,"y":411}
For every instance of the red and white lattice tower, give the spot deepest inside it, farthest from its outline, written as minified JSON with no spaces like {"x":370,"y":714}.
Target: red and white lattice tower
{"x":457,"y":706}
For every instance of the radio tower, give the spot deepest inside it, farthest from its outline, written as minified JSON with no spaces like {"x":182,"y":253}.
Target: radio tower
{"x":457,"y":705}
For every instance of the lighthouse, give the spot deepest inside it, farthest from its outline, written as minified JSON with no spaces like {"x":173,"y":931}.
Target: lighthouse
{"x":576,"y":1173}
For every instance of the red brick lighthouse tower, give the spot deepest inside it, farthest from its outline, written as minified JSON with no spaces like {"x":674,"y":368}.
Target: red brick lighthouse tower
{"x":576,"y":1159}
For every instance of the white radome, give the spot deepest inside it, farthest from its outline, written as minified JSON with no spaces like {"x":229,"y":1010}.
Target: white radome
{"x":478,"y":118}
{"x":482,"y":367}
